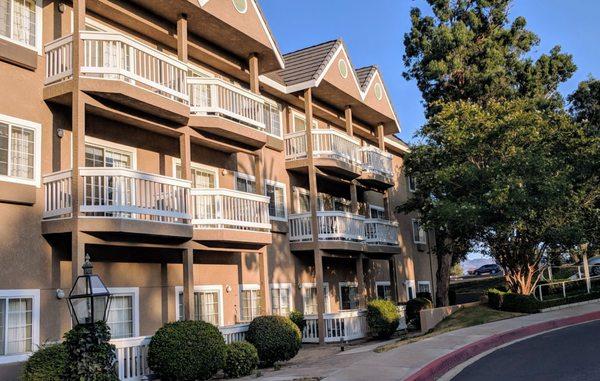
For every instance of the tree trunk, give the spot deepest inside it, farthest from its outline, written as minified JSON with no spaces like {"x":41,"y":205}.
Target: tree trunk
{"x":444,"y":262}
{"x":523,"y":280}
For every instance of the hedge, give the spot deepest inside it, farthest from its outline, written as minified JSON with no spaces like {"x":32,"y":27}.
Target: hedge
{"x":508,"y":301}
{"x":187,"y":350}
{"x":298,"y":318}
{"x":241,"y":359}
{"x":382,"y":318}
{"x":46,"y":364}
{"x":276,"y":338}
{"x":413,"y":309}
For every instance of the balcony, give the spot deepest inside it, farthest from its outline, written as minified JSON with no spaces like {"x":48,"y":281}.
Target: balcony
{"x":381,"y":236}
{"x":377,"y":167}
{"x":121,"y":69}
{"x":333,"y":151}
{"x":337,"y":230}
{"x":232,"y":112}
{"x":119,"y":200}
{"x":224,"y":216}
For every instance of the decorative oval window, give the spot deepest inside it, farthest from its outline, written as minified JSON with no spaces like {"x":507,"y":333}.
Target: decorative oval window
{"x":240,"y":5}
{"x":343,"y":67}
{"x":378,"y":91}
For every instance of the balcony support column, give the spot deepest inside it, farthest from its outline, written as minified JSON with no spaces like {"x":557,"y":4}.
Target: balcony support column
{"x":263,"y":256}
{"x":393,"y":279}
{"x":353,"y":198}
{"x":182,"y":38}
{"x":188,"y":284}
{"x":253,"y":67}
{"x":314,"y":224}
{"x":360,"y":276}
{"x":349,"y":123}
{"x":185,"y":155}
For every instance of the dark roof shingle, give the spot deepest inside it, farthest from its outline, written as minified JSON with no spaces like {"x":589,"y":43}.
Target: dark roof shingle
{"x":364,"y":75}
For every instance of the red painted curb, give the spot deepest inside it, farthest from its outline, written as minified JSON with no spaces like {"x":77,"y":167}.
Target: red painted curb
{"x":442,"y":365}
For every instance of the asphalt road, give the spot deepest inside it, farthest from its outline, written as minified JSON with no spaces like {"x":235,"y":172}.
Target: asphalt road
{"x":571,"y":353}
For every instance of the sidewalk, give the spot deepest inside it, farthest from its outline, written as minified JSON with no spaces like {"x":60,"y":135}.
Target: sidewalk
{"x":361,"y":363}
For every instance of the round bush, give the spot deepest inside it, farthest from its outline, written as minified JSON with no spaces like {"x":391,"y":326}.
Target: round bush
{"x":46,"y":364}
{"x":413,"y":309}
{"x":241,"y":359}
{"x":298,"y":318}
{"x":187,"y":350}
{"x":382,"y":317}
{"x":276,"y":338}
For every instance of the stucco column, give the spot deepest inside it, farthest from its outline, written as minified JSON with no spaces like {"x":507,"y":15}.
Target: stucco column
{"x":164,"y":283}
{"x":393,"y":278}
{"x":353,"y":198}
{"x":360,"y":276}
{"x":263,"y":257}
{"x":185,"y":155}
{"x":349,"y":123}
{"x":253,"y":67}
{"x":182,"y":38}
{"x":188,"y":284}
{"x":386,"y":199}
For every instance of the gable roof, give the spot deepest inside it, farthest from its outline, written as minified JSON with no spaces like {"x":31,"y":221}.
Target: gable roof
{"x":365,"y":75}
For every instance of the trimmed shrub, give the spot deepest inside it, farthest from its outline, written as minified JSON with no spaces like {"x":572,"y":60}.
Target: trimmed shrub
{"x":46,"y":364}
{"x":520,"y":303}
{"x":425,"y":295}
{"x":413,"y":309}
{"x":382,"y":317}
{"x":276,"y":338}
{"x":241,"y":359}
{"x":90,"y":356}
{"x":495,"y":298}
{"x":298,"y":318}
{"x":187,"y":350}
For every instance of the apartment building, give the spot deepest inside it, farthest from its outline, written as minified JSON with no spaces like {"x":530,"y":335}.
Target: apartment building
{"x":206,"y":174}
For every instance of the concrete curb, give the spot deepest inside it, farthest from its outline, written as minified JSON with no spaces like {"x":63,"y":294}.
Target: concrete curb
{"x":442,"y":365}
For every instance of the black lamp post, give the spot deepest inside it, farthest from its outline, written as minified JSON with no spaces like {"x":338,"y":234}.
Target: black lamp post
{"x":89,"y":298}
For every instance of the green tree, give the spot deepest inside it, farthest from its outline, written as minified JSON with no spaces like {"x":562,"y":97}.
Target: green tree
{"x":471,"y":64}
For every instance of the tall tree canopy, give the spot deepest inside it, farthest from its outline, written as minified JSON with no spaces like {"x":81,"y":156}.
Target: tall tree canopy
{"x":490,"y":164}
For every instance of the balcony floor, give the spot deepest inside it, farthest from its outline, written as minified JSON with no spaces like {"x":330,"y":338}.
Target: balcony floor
{"x":376,"y":180}
{"x":229,"y":130}
{"x":335,"y":167}
{"x":232,"y":238}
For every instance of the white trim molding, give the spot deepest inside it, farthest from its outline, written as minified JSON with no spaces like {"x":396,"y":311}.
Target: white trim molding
{"x":426,"y":283}
{"x":283,"y":286}
{"x":346,"y":284}
{"x":314,"y":285}
{"x":37,"y":150}
{"x":34,"y":295}
{"x":135,"y":293}
{"x":200,"y":288}
{"x":410,"y":284}
{"x":278,"y":184}
{"x":101,"y":143}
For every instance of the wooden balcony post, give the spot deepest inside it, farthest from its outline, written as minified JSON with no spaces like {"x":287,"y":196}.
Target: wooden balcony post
{"x":313,"y":191}
{"x":164,"y":282}
{"x":263,"y":257}
{"x":353,"y":198}
{"x":253,"y":67}
{"x":182,"y":38}
{"x":380,"y":137}
{"x":349,"y":123}
{"x":393,"y":278}
{"x":360,"y":276}
{"x":188,"y":284}
{"x":185,"y":155}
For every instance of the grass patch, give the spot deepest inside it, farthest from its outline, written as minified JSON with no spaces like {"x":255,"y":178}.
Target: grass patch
{"x":466,"y":317}
{"x":471,"y":290}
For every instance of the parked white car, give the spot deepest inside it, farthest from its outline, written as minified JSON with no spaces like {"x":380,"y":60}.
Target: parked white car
{"x":594,"y":266}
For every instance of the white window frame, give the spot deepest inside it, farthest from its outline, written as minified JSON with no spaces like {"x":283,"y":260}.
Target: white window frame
{"x":245,"y":176}
{"x":202,"y":167}
{"x":422,"y":237}
{"x":347,"y":284}
{"x":38,"y":30}
{"x":202,"y":288}
{"x":410,"y":284}
{"x":377,"y":208}
{"x":411,"y":188}
{"x":276,"y":105}
{"x":37,"y":149}
{"x":424,"y":282}
{"x":283,"y":286}
{"x":34,"y":294}
{"x":303,"y":117}
{"x":101,"y":143}
{"x":383,"y":283}
{"x":249,"y":287}
{"x":281,"y":185}
{"x":135,"y":293}
{"x":314,"y":285}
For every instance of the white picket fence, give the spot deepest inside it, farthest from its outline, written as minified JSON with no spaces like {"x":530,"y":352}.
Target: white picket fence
{"x":345,"y":325}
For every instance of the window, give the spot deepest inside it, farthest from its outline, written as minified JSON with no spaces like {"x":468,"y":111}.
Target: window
{"x":123,"y":313}
{"x":272,"y":116}
{"x":376,"y":212}
{"x":384,"y":290}
{"x":410,"y":289}
{"x":300,"y":122}
{"x":419,"y":235}
{"x":423,"y":286}
{"x":245,"y":183}
{"x":202,"y":177}
{"x":208,"y":303}
{"x":276,"y":193}
{"x":412,"y":184}
{"x":19,"y":150}
{"x":281,"y":298}
{"x":98,"y":156}
{"x":20,"y":21}
{"x":348,"y":295}
{"x":303,"y":200}
{"x":249,"y":302}
{"x":19,"y":324}
{"x":309,"y":297}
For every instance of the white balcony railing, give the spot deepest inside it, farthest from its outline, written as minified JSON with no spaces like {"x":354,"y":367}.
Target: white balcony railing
{"x":377,"y":161}
{"x":327,"y":143}
{"x":132,"y":358}
{"x":333,"y":225}
{"x":112,"y":55}
{"x":345,"y":325}
{"x":119,"y":193}
{"x":234,"y":333}
{"x":214,"y":96}
{"x":381,"y":232}
{"x":229,"y":209}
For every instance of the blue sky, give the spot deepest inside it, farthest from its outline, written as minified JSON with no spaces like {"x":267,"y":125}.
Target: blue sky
{"x":373,"y":31}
